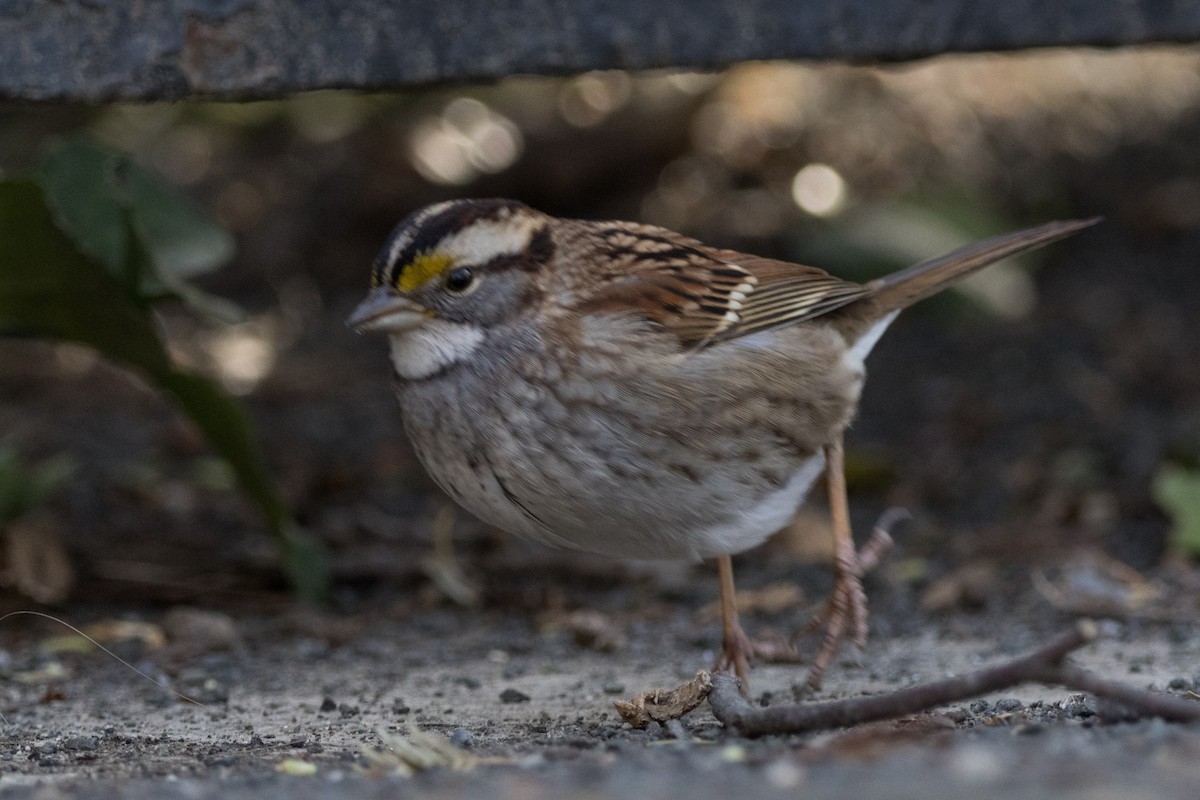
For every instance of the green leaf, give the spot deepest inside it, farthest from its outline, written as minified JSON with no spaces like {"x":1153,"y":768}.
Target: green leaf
{"x":144,"y":232}
{"x":81,"y":185}
{"x":49,"y":287}
{"x":182,"y":243}
{"x":24,"y":487}
{"x":1177,"y":490}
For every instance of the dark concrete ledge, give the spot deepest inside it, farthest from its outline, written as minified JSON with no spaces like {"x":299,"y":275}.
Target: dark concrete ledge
{"x":96,"y":50}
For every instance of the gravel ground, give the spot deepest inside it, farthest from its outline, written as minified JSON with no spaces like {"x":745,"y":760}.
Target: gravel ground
{"x":1026,"y":451}
{"x":532,"y":715}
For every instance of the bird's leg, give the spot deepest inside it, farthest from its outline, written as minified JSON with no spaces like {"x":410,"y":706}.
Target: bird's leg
{"x":736,"y":647}
{"x":845,"y":611}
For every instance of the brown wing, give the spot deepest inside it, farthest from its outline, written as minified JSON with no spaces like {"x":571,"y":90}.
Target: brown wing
{"x":786,"y":293}
{"x":705,"y":295}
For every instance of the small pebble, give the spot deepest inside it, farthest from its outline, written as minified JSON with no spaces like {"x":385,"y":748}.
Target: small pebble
{"x":513,"y":696}
{"x":328,"y":704}
{"x":81,"y":743}
{"x":200,"y":629}
{"x":1008,"y":704}
{"x":209,"y":692}
{"x":957,"y":715}
{"x":1030,"y":728}
{"x":1083,"y":706}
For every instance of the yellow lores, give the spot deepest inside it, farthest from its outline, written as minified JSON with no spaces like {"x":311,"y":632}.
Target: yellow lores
{"x":422,"y":269}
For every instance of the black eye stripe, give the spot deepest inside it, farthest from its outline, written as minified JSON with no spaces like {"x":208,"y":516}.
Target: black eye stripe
{"x":432,"y":229}
{"x":541,"y":247}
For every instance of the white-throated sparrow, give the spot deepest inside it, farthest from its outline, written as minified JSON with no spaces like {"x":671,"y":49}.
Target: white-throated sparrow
{"x":623,"y":389}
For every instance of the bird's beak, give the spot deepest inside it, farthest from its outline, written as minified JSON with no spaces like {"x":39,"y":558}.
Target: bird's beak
{"x":386,"y":312}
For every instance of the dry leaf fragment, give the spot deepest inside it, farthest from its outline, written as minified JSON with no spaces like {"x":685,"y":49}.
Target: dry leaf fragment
{"x":662,"y":705}
{"x":125,"y":630}
{"x":588,"y":628}
{"x":1095,"y":584}
{"x":35,"y":560}
{"x":47,"y":673}
{"x":969,"y":586}
{"x":419,"y":750}
{"x":200,"y":629}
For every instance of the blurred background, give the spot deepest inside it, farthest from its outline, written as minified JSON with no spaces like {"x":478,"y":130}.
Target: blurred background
{"x":1027,"y":422}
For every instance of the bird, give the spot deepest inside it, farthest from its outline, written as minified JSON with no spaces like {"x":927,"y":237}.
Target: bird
{"x":623,"y":389}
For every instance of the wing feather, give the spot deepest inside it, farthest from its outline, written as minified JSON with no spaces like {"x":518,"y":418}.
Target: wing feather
{"x":705,"y":295}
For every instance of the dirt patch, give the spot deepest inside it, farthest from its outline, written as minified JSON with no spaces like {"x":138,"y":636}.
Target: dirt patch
{"x":1022,"y":448}
{"x":536,"y":709}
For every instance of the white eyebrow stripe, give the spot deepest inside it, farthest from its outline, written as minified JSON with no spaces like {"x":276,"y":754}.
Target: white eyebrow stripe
{"x":398,"y":245}
{"x":482,"y":241}
{"x":402,"y":242}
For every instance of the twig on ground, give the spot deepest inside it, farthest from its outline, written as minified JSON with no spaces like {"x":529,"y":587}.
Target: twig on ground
{"x":1044,"y":665}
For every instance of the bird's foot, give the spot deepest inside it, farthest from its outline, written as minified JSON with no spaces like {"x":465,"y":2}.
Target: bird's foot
{"x":845,"y":611}
{"x":738,"y":650}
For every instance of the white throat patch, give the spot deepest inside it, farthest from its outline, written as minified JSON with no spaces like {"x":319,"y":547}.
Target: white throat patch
{"x":437,"y":344}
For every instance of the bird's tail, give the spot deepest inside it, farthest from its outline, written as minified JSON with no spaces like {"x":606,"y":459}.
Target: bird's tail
{"x":901,"y":289}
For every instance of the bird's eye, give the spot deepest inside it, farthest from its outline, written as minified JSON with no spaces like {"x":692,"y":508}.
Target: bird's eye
{"x":459,"y":279}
